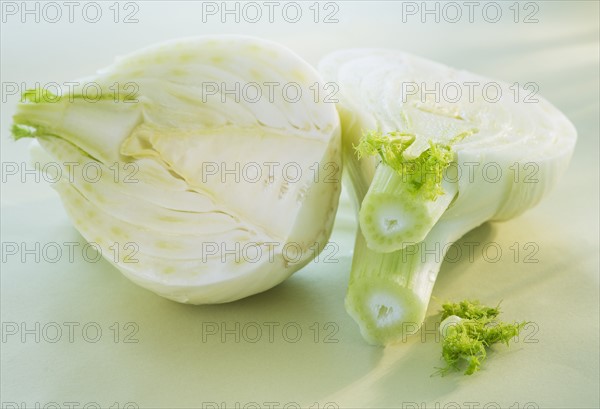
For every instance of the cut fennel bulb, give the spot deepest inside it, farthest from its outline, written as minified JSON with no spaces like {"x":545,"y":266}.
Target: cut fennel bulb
{"x":214,"y":172}
{"x":429,"y":156}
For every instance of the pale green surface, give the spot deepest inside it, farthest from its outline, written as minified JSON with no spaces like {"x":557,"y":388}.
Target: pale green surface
{"x":170,"y":366}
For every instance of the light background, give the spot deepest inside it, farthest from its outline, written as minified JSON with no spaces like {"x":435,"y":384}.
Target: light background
{"x":171,"y":366}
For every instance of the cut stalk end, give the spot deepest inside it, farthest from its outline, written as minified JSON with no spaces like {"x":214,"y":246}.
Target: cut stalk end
{"x":392,"y":216}
{"x":385,"y":311}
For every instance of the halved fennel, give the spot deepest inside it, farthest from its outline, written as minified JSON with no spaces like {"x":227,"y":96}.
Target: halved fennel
{"x":210,"y":189}
{"x":426,"y":166}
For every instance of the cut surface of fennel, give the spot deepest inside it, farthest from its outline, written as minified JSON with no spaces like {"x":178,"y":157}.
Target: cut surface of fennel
{"x":203,"y":196}
{"x":384,"y":93}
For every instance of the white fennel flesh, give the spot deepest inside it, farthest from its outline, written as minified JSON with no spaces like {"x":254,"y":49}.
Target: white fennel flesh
{"x":218,"y":179}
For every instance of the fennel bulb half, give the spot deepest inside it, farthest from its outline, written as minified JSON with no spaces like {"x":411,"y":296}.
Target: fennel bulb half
{"x":431,"y":153}
{"x":219,"y":171}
